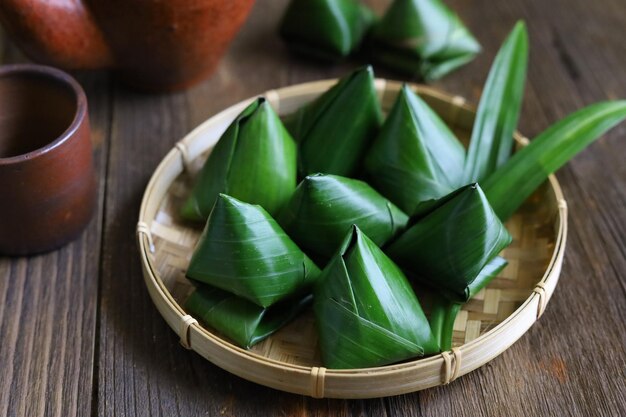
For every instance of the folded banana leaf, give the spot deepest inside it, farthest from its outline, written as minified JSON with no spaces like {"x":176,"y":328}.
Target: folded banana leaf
{"x":448,"y":242}
{"x":498,"y":111}
{"x":324,"y":208}
{"x":443,"y":311}
{"x":422,"y":37}
{"x":244,"y":251}
{"x":415,"y":157}
{"x":254,"y":160}
{"x":334,"y":131}
{"x":240,"y":320}
{"x":325,"y":29}
{"x":366,"y":311}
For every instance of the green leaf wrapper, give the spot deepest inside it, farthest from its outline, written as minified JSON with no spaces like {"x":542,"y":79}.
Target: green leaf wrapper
{"x":449,"y":244}
{"x":325,"y":29}
{"x":254,"y":160}
{"x":422,"y":37}
{"x":515,"y":181}
{"x":335,"y":130}
{"x":324,"y":208}
{"x":244,"y":251}
{"x":366,"y":311}
{"x":415,"y":156}
{"x":498,"y":111}
{"x":240,"y":320}
{"x":443,"y":312}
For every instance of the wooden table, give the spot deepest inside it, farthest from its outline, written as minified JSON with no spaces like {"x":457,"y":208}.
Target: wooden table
{"x":80,"y":336}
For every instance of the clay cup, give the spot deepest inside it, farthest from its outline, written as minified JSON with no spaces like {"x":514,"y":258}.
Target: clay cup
{"x":47,"y":181}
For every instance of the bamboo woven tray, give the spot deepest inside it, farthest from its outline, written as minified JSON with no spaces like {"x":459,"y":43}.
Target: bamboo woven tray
{"x":289,"y":360}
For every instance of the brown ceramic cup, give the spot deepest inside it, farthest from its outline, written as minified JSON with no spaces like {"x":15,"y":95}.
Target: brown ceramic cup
{"x":47,"y":181}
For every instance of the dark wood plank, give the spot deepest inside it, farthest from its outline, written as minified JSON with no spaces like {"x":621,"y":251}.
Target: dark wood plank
{"x":48,"y":302}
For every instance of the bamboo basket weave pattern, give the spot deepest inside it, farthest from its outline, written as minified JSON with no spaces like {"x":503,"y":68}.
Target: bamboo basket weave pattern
{"x":289,"y":360}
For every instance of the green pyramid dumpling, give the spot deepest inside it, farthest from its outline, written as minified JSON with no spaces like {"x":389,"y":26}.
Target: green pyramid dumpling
{"x":448,"y":243}
{"x":415,"y":157}
{"x":324,"y":207}
{"x":325,"y":29}
{"x":334,"y":131}
{"x":245,"y":252}
{"x":254,"y":160}
{"x":366,"y":311}
{"x":422,"y":37}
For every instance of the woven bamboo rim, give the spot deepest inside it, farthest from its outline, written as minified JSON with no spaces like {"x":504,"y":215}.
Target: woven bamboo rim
{"x":538,"y":265}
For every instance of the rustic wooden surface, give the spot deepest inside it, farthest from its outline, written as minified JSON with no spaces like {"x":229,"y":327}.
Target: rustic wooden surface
{"x":80,"y":336}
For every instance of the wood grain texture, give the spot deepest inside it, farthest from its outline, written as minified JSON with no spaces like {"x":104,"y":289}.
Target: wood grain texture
{"x":73,"y":344}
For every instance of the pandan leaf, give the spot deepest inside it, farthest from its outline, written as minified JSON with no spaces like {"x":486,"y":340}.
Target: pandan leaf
{"x":243,"y":322}
{"x":254,"y":160}
{"x":443,"y":311}
{"x":324,"y":208}
{"x":422,"y":37}
{"x":366,"y":311}
{"x":498,"y":111}
{"x":335,"y":130}
{"x":515,"y":181}
{"x":415,"y":156}
{"x":244,"y":251}
{"x":448,"y":246}
{"x":325,"y":29}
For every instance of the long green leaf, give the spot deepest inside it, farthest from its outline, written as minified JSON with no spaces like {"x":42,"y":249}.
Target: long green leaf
{"x":448,"y":246}
{"x":244,"y":251}
{"x":498,"y":111}
{"x":515,"y":181}
{"x":254,"y":160}
{"x":415,"y":157}
{"x":335,"y":130}
{"x":243,"y":322}
{"x":324,"y":207}
{"x":366,"y":311}
{"x":422,"y":37}
{"x":325,"y":29}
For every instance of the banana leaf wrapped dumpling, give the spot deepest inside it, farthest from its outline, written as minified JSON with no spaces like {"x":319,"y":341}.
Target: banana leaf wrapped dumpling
{"x":366,"y":311}
{"x":254,"y":160}
{"x":334,"y":131}
{"x":450,"y":241}
{"x":422,"y":37}
{"x":324,"y":207}
{"x":415,"y":157}
{"x":239,"y":319}
{"x":325,"y":29}
{"x":245,"y":252}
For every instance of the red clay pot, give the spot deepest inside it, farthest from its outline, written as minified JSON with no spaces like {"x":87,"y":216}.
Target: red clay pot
{"x":47,"y":181}
{"x":155,"y":44}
